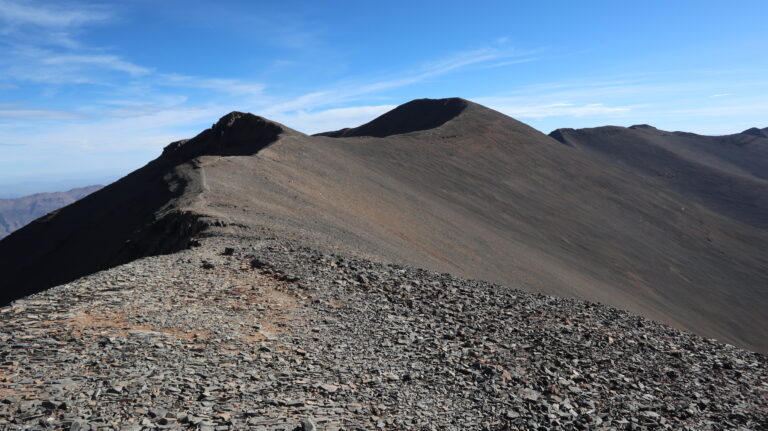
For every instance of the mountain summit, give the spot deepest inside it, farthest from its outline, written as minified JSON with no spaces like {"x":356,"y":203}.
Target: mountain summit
{"x":454,"y":187}
{"x":416,"y":115}
{"x":235,"y":134}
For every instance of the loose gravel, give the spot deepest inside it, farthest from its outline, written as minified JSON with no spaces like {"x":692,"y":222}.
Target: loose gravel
{"x":261,"y":334}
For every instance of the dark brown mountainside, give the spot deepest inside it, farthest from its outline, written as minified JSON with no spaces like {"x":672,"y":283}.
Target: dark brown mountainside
{"x":17,"y":212}
{"x":447,"y":185}
{"x":763,"y":133}
{"x":728,"y":174}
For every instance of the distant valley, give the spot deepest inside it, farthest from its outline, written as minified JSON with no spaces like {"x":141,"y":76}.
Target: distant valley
{"x":17,"y":212}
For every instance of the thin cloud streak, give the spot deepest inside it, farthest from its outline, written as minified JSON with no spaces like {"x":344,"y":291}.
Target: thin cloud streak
{"x":673,"y":103}
{"x":38,"y":115}
{"x":559,"y":110}
{"x":109,"y":62}
{"x":347,"y":93}
{"x":230,"y":86}
{"x":331,"y":119}
{"x":30,"y":13}
{"x":441,"y":67}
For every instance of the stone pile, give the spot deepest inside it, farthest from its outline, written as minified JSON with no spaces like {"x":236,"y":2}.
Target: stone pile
{"x":261,"y":334}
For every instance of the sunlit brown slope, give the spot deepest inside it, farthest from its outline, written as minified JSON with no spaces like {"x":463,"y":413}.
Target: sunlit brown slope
{"x":479,"y":194}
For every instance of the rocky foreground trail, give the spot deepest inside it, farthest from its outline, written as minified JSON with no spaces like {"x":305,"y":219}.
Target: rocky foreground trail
{"x":264,"y":335}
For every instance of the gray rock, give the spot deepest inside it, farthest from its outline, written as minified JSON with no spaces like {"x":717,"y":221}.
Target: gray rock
{"x":307,"y":425}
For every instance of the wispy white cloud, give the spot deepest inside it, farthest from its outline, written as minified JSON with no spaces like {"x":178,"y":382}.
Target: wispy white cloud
{"x":81,"y":61}
{"x":38,"y":115}
{"x":508,"y":63}
{"x":115,"y":134}
{"x":137,"y":107}
{"x":43,"y":51}
{"x":331,"y":119}
{"x":350,"y":92}
{"x":152,"y":109}
{"x":229,"y":86}
{"x":443,"y":66}
{"x":304,"y":102}
{"x":673,"y":101}
{"x":48,"y":15}
{"x":740,"y":108}
{"x":554,"y":109}
{"x":43,"y":65}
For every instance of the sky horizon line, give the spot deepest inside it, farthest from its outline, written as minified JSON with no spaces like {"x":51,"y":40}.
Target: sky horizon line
{"x":94,"y":87}
{"x":68,"y":184}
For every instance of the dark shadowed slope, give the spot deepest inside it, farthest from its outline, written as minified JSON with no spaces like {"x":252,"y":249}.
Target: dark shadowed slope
{"x":150,"y":211}
{"x":477,"y":194}
{"x":728,"y":174}
{"x":17,"y":212}
{"x":754,"y":131}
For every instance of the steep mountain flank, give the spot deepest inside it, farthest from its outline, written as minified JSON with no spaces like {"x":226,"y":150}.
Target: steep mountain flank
{"x":446,"y":185}
{"x":17,"y":212}
{"x":154,"y":210}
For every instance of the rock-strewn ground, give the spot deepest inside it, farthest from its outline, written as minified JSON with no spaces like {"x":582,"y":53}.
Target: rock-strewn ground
{"x":260,"y":334}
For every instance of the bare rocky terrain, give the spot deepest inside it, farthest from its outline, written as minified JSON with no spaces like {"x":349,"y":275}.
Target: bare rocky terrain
{"x":17,"y":212}
{"x":264,"y":334}
{"x":254,"y":277}
{"x":446,"y":185}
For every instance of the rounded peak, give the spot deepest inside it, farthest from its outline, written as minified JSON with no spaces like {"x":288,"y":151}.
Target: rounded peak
{"x":416,"y":115}
{"x":235,"y":134}
{"x":237,"y":120}
{"x":642,"y":127}
{"x":450,"y":103}
{"x":754,"y":131}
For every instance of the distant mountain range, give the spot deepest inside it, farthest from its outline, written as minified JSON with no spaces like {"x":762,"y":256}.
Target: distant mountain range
{"x":17,"y":212}
{"x":669,"y":225}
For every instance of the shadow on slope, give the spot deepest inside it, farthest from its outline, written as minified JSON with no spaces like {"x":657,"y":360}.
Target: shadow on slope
{"x":151,"y":211}
{"x":16,"y":213}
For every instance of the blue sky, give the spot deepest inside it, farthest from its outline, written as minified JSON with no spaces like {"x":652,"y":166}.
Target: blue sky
{"x":92,"y":90}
